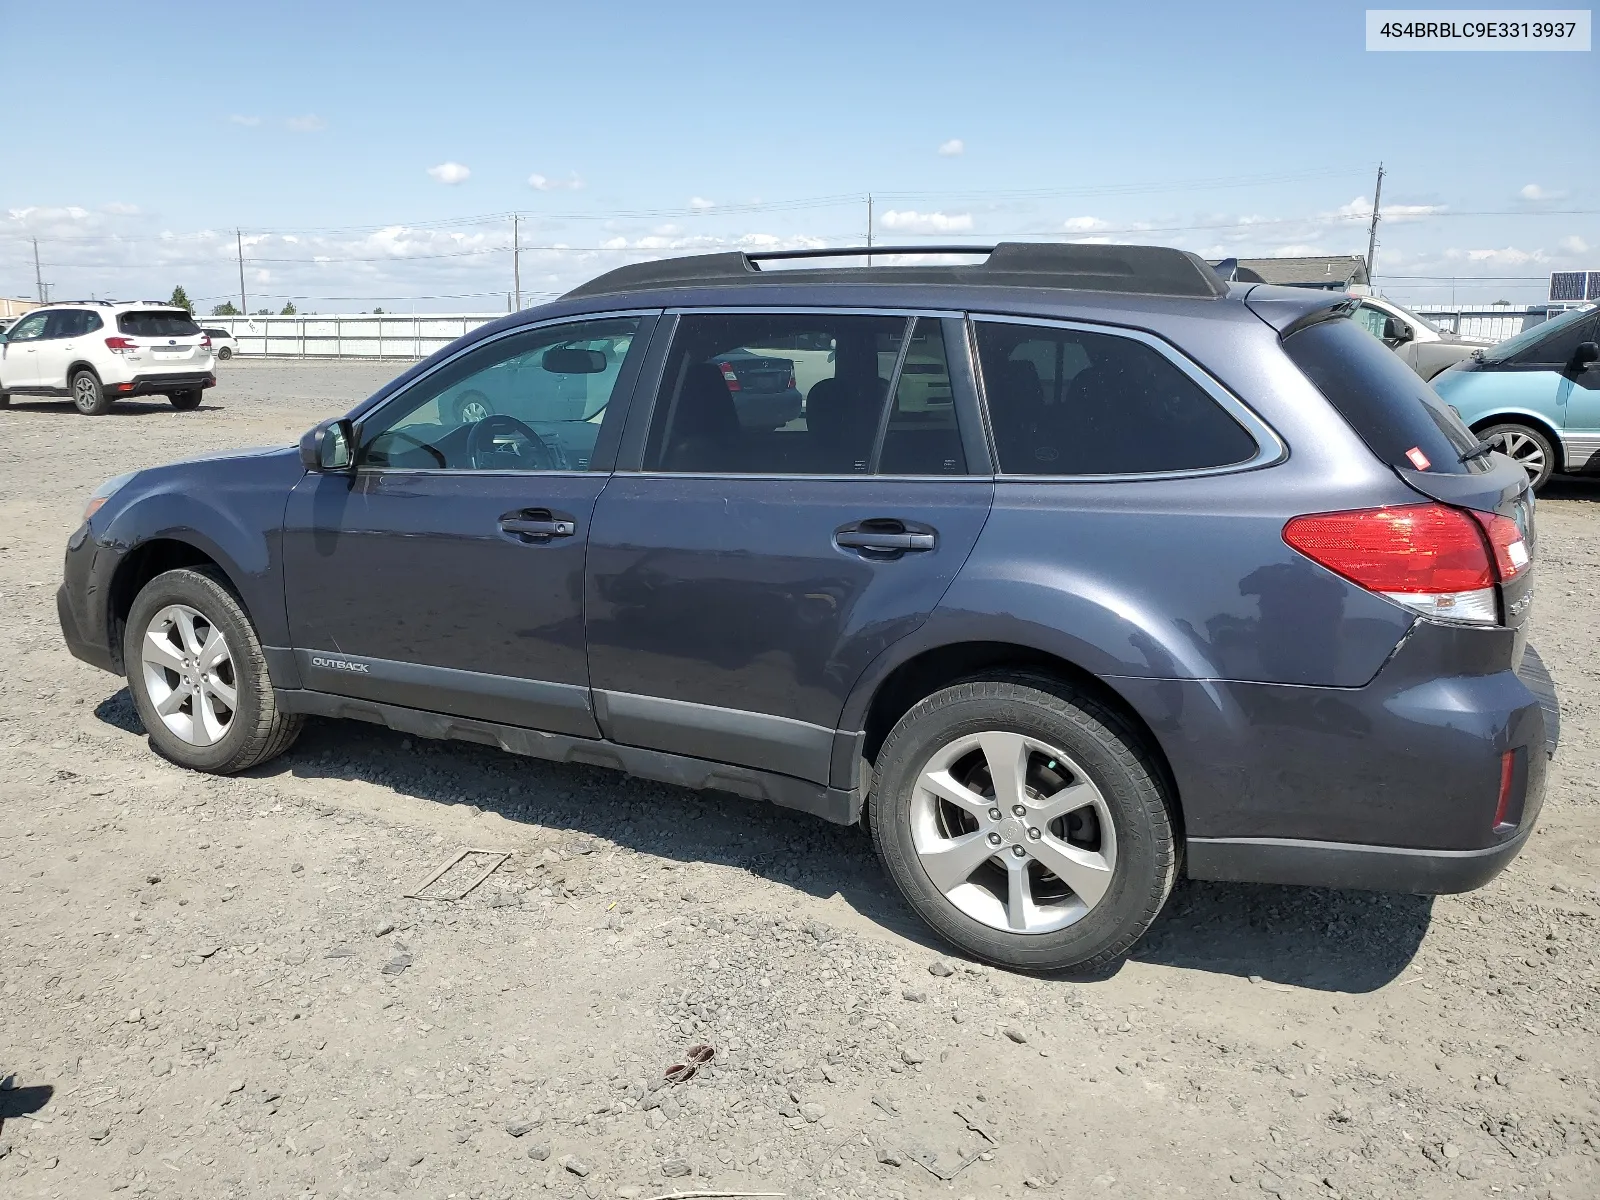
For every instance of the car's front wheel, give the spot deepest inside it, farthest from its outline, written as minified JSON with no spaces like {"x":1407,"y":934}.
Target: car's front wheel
{"x":198,"y":676}
{"x":185,"y":401}
{"x":88,"y":397}
{"x":1025,"y":822}
{"x":1527,"y":447}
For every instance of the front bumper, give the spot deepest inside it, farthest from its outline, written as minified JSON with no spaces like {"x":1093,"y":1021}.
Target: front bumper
{"x":162,"y":385}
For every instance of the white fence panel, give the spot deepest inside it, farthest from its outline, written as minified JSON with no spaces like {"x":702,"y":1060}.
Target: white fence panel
{"x":348,"y":335}
{"x":1491,"y":324}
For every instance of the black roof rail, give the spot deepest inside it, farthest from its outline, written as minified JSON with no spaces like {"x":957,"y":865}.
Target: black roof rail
{"x":1129,"y":270}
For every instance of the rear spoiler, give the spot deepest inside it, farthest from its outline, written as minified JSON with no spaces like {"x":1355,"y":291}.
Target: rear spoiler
{"x":1288,"y":309}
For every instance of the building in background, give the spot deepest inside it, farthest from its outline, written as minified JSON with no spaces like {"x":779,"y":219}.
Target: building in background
{"x":1330,"y":272}
{"x":15,"y":308}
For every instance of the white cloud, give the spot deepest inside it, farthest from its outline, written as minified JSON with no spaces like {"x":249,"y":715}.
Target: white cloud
{"x":911,"y":221}
{"x":118,"y":209}
{"x":1575,"y":245}
{"x":1296,"y":250}
{"x":700,"y":203}
{"x":449,"y":172}
{"x":251,"y":122}
{"x":1360,"y":209}
{"x":543,"y":183}
{"x":1533,"y":191}
{"x":1084,"y":224}
{"x":953,"y":148}
{"x":310,"y":123}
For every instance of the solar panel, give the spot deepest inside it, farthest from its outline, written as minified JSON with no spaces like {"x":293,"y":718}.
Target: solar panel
{"x":1567,"y":285}
{"x":1594,"y":286}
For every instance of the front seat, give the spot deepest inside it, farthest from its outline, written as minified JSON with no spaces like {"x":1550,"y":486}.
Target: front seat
{"x":842,"y":421}
{"x":705,"y":425}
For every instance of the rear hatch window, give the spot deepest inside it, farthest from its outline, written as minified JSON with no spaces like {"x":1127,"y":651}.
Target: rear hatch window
{"x":1397,"y":414}
{"x":157,"y":324}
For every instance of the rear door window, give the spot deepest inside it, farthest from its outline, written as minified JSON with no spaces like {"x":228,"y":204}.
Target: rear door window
{"x":156,"y":324}
{"x":776,"y":393}
{"x":1397,"y":414}
{"x":1072,"y":402}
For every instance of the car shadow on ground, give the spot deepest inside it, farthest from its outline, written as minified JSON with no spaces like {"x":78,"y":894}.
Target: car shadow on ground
{"x":120,"y":408}
{"x":1313,"y":938}
{"x":1572,"y":487}
{"x":19,"y":1101}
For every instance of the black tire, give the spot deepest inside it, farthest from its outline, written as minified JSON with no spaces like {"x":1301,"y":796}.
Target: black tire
{"x":1109,"y":753}
{"x":472,"y":407}
{"x":225,"y":353}
{"x":88,"y":397}
{"x":1525,"y":444}
{"x":185,"y":401}
{"x":257,"y":730}
{"x":5,"y":400}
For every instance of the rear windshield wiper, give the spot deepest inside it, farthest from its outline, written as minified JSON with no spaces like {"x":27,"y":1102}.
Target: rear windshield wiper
{"x":1477,"y":451}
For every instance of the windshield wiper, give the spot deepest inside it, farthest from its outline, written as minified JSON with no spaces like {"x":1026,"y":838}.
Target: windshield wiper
{"x":1477,"y":451}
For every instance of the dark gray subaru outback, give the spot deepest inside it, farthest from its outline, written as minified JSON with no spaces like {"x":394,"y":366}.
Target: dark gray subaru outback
{"x":1077,"y":569}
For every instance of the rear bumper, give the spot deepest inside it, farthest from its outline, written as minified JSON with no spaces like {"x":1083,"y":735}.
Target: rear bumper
{"x":1396,"y":785}
{"x":162,"y":385}
{"x":1350,"y":865}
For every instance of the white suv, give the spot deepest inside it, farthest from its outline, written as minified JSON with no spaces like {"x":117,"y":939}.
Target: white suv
{"x":98,"y":352}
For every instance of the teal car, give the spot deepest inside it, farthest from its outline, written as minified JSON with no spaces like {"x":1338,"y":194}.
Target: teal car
{"x":1536,"y":396}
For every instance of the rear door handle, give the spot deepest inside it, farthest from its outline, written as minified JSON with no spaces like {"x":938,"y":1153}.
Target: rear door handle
{"x":538,"y":524}
{"x":886,"y":541}
{"x":883,"y":535}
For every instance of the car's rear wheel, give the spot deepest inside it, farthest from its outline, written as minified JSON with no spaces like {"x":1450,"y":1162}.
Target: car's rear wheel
{"x":198,"y":676}
{"x":185,"y":401}
{"x":1025,"y":822}
{"x":225,"y":354}
{"x":1528,"y":447}
{"x":5,"y":400}
{"x":88,"y":397}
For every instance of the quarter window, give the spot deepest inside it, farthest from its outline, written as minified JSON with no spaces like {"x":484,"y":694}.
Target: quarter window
{"x":1069,"y":402}
{"x":531,"y":402}
{"x":775,"y":393}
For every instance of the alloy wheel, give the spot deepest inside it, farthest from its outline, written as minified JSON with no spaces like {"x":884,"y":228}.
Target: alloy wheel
{"x":1525,"y":451}
{"x":1012,"y":832}
{"x":189,"y":675}
{"x":473,"y":411}
{"x":83,"y":392}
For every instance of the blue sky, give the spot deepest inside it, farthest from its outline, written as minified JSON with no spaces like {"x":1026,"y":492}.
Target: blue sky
{"x":372,"y":153}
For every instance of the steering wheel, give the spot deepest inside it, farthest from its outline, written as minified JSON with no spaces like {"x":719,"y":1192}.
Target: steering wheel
{"x":529,"y":452}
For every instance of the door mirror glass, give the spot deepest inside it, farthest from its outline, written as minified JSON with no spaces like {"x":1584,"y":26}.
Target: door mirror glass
{"x":328,"y":447}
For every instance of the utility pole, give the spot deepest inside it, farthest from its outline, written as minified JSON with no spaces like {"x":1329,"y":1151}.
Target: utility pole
{"x":516,"y":259}
{"x":869,"y":229}
{"x":38,"y":280}
{"x":1372,"y":230}
{"x":238,"y":240}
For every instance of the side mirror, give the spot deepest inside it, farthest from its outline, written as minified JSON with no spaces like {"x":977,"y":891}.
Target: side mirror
{"x":1586,"y":355}
{"x":330,"y":446}
{"x":1396,"y":330}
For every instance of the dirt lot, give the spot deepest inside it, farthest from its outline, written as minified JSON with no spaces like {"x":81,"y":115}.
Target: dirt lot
{"x":215,"y":987}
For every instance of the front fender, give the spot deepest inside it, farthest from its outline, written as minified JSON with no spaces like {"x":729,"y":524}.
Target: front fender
{"x":231,"y":510}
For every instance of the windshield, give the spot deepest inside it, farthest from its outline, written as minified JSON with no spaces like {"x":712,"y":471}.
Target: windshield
{"x":1501,"y":351}
{"x":1418,"y":318}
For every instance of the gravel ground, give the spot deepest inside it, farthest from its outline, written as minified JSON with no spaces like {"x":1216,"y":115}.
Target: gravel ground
{"x":217,"y":987}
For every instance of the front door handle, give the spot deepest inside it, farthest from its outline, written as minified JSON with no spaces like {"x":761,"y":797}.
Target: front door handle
{"x":884,"y":536}
{"x":538,"y":525}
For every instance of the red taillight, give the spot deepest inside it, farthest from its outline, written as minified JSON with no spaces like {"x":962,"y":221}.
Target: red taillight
{"x":728,"y":377}
{"x":790,"y":384}
{"x":1430,"y":557}
{"x":1511,"y":555}
{"x":120,"y":345}
{"x":205,"y":341}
